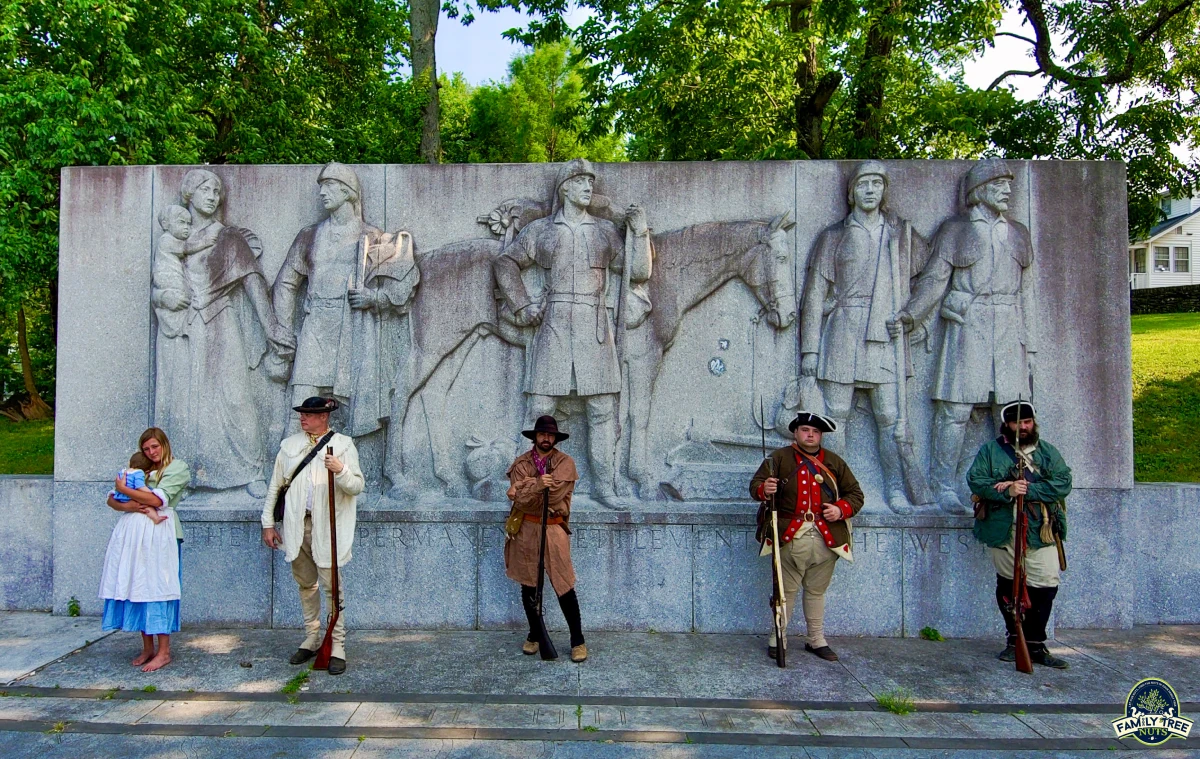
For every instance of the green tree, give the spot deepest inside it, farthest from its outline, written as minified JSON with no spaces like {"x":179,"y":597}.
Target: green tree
{"x":708,"y":79}
{"x":535,"y":115}
{"x":178,"y":81}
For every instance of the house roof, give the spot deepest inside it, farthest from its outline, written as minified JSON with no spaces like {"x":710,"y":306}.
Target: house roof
{"x":1166,"y":224}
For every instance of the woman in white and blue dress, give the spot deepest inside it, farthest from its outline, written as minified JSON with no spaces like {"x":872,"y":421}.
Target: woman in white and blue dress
{"x":139,"y":589}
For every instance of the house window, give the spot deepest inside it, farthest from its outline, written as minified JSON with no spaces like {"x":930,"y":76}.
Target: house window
{"x":1139,"y":260}
{"x":1183,"y":260}
{"x":1165,"y":204}
{"x":1162,"y":259}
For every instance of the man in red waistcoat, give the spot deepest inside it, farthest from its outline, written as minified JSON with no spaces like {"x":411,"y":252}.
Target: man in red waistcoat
{"x":816,"y":494}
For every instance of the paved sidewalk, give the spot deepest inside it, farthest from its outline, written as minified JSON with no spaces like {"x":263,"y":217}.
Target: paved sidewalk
{"x":461,"y":694}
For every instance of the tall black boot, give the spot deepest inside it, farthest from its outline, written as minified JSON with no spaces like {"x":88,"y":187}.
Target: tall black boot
{"x":569,"y":603}
{"x":1041,"y":604}
{"x":1003,"y":592}
{"x":528,"y":600}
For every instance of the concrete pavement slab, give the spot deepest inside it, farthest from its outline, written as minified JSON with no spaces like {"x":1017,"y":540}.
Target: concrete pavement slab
{"x":1171,"y":652}
{"x":249,"y":713}
{"x":967,"y":671}
{"x":31,"y":639}
{"x":924,"y":725}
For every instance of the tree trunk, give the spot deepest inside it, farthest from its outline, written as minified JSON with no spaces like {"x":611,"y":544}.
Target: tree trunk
{"x":815,"y":90}
{"x":37,"y":408}
{"x":423,"y":21}
{"x":870,"y":82}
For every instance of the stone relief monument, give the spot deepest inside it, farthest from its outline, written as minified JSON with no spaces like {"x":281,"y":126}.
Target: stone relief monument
{"x":446,"y":305}
{"x":572,"y":307}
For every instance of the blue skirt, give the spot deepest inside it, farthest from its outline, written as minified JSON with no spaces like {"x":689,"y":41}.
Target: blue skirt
{"x":146,"y":617}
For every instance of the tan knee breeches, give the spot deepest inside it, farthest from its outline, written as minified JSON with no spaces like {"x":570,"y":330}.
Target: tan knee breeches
{"x":307,"y":575}
{"x":807,"y":563}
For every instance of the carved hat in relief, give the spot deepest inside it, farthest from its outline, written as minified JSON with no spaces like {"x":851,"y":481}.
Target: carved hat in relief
{"x":867,"y":169}
{"x":822,"y":423}
{"x":985,"y":171}
{"x":576,"y":167}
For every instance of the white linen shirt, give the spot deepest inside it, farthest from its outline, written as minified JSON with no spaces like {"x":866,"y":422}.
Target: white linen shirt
{"x":307,"y":488}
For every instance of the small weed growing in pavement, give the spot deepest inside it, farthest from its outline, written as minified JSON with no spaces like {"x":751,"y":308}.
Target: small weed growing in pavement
{"x":293,"y":685}
{"x":975,"y":711}
{"x":362,"y":738}
{"x":73,"y":607}
{"x":229,"y":734}
{"x":58,"y":728}
{"x":293,"y":699}
{"x":591,"y":729}
{"x":108,"y":694}
{"x":931,"y":633}
{"x":149,"y":689}
{"x":687,"y":739}
{"x":897,"y":701}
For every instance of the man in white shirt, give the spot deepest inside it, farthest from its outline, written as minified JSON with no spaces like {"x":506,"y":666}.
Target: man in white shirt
{"x":304,"y":532}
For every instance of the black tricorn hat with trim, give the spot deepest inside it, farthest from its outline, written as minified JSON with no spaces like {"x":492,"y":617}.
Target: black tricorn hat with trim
{"x":1009,"y":412}
{"x":317,"y":405}
{"x":545,"y":424}
{"x":822,"y":423}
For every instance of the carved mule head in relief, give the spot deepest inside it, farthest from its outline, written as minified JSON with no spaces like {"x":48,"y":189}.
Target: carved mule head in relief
{"x":766,"y":268}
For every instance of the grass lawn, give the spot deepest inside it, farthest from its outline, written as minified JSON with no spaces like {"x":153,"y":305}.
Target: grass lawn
{"x":26,"y":447}
{"x":1166,"y":397}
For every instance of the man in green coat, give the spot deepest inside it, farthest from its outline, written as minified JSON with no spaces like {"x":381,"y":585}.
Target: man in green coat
{"x":995,"y":480}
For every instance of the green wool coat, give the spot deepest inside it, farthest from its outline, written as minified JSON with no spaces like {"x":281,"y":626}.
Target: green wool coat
{"x":1050,"y":486}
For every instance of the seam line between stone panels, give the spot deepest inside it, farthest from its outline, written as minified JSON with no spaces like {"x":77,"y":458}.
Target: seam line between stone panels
{"x":151,"y":375}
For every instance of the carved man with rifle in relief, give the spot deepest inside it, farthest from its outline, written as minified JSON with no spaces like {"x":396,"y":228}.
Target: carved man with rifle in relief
{"x":979,"y":279}
{"x":816,"y":494}
{"x":858,"y":277}
{"x":575,"y":348}
{"x":997,"y":485}
{"x":542,"y":483}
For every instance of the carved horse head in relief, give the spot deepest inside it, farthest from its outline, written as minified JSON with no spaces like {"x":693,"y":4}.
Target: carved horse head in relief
{"x":768,"y":272}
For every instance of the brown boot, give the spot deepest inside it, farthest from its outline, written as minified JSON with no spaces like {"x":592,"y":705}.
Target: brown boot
{"x":579,"y":653}
{"x":530,"y":648}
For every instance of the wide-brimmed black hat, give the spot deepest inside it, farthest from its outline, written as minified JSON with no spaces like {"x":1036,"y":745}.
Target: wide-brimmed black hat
{"x":545,"y":424}
{"x":317,"y":405}
{"x":1010,"y":412}
{"x":823,"y":423}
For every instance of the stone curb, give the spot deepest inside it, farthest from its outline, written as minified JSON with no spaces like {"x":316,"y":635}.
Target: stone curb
{"x":521,"y":734}
{"x":935,"y":707}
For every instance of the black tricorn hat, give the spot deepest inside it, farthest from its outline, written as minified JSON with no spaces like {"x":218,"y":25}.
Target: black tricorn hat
{"x":545,"y":424}
{"x":317,"y":405}
{"x":1009,"y":412}
{"x":823,"y":423}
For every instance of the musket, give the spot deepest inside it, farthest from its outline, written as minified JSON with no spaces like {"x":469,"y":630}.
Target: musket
{"x":1020,"y":593}
{"x":778,"y":599}
{"x":325,"y":652}
{"x":545,"y":645}
{"x":914,"y":481}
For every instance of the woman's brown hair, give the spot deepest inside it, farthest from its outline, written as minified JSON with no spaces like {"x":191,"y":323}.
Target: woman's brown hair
{"x":161,"y":437}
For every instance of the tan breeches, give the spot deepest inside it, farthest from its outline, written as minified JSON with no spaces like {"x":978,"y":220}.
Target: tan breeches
{"x":807,"y":563}
{"x":307,"y":575}
{"x":1041,"y":564}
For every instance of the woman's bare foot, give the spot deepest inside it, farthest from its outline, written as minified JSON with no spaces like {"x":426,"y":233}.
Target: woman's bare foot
{"x":159,"y":661}
{"x":147,"y":651}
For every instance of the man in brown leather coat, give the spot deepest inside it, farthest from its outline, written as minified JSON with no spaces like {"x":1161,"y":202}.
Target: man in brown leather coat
{"x":542,"y":468}
{"x":816,"y":494}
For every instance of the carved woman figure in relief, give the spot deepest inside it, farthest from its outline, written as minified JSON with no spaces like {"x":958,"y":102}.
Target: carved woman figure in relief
{"x":206,"y":403}
{"x":170,"y":296}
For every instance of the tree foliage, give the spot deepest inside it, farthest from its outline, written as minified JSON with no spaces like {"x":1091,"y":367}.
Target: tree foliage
{"x":535,"y":115}
{"x":713,"y":79}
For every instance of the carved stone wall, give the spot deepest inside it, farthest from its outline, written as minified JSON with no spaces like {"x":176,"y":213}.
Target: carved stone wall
{"x":711,"y":331}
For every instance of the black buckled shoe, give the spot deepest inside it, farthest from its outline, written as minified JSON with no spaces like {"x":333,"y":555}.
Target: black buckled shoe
{"x":302,"y":655}
{"x":772,"y":652}
{"x":825,"y":652}
{"x":1039,"y":654}
{"x":336,"y":666}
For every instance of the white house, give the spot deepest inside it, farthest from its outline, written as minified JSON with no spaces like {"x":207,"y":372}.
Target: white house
{"x":1170,"y":255}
